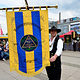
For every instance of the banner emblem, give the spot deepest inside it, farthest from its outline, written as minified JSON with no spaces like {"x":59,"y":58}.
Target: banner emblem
{"x":29,"y":43}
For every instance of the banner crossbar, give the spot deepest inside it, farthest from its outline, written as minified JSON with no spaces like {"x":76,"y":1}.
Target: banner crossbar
{"x":29,"y":7}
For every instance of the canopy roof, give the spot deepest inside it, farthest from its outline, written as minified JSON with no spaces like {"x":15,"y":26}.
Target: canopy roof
{"x":68,"y":33}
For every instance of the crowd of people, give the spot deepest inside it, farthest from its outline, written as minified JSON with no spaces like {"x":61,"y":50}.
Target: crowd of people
{"x":72,"y":46}
{"x":4,"y":50}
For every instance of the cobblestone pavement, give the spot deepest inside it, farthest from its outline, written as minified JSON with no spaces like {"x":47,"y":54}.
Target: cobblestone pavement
{"x":70,"y":69}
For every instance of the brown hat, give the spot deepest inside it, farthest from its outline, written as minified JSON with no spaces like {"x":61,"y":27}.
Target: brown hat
{"x":54,"y":28}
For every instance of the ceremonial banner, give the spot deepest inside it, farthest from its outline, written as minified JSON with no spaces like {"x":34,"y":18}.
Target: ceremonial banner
{"x":28,"y":36}
{"x":74,"y":35}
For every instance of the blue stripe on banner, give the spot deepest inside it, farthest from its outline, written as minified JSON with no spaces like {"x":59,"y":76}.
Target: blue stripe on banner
{"x":37,"y":34}
{"x":19,"y":35}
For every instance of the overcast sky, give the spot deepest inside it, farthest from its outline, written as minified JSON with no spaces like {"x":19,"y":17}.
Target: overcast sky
{"x":68,"y":8}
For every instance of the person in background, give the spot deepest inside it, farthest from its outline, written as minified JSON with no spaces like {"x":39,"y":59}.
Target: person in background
{"x":63,"y":44}
{"x":0,"y":52}
{"x":79,"y":46}
{"x":56,"y":46}
{"x":3,"y":42}
{"x":74,"y":45}
{"x":0,"y":49}
{"x":5,"y":53}
{"x":7,"y":45}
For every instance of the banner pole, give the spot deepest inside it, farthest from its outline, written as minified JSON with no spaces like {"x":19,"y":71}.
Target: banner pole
{"x":26,"y":4}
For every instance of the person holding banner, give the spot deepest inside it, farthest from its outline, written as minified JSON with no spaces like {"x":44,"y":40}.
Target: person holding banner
{"x":56,"y":46}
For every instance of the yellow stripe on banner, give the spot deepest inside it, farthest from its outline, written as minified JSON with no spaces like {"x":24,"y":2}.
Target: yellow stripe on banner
{"x":11,"y":54}
{"x":15,"y":45}
{"x":12,"y":40}
{"x":28,"y":30}
{"x":45,"y":37}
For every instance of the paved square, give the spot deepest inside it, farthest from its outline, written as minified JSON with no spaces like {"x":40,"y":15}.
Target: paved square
{"x":70,"y":69}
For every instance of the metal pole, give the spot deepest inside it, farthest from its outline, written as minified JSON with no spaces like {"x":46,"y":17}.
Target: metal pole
{"x":27,"y":4}
{"x":36,"y":7}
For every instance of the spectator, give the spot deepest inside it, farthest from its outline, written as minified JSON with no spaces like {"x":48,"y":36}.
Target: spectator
{"x":79,"y":46}
{"x":0,"y":49}
{"x":74,"y":45}
{"x":7,"y":45}
{"x":5,"y":52}
{"x":4,"y":42}
{"x":0,"y":43}
{"x":0,"y":52}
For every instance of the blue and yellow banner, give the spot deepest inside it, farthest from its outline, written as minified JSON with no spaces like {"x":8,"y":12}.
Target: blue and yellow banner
{"x":28,"y":37}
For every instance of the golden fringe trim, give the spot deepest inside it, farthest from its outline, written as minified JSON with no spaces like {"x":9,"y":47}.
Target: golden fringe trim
{"x":31,"y":74}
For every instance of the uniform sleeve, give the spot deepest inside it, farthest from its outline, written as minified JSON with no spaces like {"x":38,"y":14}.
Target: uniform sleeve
{"x":59,"y":47}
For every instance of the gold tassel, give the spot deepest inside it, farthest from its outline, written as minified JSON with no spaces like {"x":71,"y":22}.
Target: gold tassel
{"x":26,"y":8}
{"x":40,"y":7}
{"x":33,"y":7}
{"x":46,"y":8}
{"x":13,"y":9}
{"x":19,"y":9}
{"x":6,"y":9}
